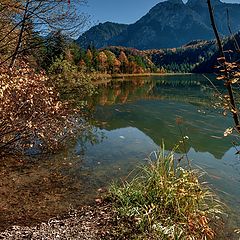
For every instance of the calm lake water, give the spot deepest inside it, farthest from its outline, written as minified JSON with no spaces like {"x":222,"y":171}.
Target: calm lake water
{"x":133,"y":117}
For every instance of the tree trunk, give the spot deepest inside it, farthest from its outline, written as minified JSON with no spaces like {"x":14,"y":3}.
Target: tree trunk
{"x":228,"y":84}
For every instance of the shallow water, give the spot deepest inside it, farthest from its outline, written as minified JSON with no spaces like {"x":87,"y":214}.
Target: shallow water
{"x":133,"y":117}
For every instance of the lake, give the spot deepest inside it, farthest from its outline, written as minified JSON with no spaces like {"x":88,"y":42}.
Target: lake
{"x":132,"y":118}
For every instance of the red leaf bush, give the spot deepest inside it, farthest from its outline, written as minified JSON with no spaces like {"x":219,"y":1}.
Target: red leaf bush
{"x":31,"y":113}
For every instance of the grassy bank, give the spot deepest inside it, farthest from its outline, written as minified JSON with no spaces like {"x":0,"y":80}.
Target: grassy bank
{"x":164,"y":201}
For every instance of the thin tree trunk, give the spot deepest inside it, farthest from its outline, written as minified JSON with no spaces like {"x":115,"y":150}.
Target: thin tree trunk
{"x":228,"y":84}
{"x":20,"y":36}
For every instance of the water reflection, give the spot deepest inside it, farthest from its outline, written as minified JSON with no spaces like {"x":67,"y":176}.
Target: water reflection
{"x":158,"y":88}
{"x":150,"y":107}
{"x":154,"y":105}
{"x":132,"y":119}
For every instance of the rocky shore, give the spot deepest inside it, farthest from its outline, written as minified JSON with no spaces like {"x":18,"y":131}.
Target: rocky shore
{"x":91,"y":222}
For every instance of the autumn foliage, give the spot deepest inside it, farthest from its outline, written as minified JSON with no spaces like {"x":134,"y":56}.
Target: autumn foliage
{"x":32,"y":118}
{"x":112,"y":60}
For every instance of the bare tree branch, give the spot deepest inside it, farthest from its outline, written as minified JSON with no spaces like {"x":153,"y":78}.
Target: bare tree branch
{"x":222,"y":60}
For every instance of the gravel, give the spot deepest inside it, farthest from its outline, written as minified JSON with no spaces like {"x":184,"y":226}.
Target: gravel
{"x":88,"y":223}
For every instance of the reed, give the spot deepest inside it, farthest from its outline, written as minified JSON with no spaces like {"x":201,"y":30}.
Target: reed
{"x":166,"y":201}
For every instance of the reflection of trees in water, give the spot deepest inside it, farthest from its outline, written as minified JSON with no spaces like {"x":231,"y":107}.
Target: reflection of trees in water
{"x":186,"y":96}
{"x":173,"y":88}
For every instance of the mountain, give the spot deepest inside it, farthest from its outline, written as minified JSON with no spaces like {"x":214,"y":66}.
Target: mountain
{"x":168,"y":24}
{"x":101,"y":34}
{"x":221,"y":12}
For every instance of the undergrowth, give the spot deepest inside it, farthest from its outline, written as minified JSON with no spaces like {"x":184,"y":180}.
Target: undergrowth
{"x":165,"y":201}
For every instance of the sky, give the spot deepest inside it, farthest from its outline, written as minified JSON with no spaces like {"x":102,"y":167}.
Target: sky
{"x":122,"y":11}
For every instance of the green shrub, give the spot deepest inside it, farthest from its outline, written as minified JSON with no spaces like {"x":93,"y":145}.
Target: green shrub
{"x":166,"y":201}
{"x":68,"y":79}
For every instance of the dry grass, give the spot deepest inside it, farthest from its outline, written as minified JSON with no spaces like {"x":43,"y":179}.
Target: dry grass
{"x":166,"y":201}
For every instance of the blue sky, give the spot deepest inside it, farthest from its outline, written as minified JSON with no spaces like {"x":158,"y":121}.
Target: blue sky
{"x":122,"y":11}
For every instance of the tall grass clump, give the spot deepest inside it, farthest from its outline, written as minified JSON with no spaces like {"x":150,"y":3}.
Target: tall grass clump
{"x":166,"y":201}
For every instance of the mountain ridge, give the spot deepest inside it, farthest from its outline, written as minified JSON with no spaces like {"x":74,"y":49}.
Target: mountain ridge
{"x":168,"y":24}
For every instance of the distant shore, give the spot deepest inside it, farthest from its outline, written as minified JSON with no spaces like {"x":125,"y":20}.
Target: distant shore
{"x":146,"y":74}
{"x":103,"y":78}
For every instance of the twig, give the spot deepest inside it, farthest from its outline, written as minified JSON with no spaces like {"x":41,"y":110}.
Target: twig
{"x":226,"y":72}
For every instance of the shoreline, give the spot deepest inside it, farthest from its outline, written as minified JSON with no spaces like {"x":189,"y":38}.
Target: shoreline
{"x":113,"y":76}
{"x":88,"y":223}
{"x":106,"y":78}
{"x":122,"y":75}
